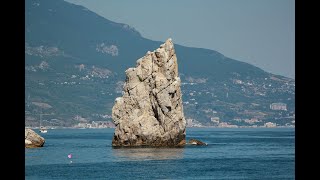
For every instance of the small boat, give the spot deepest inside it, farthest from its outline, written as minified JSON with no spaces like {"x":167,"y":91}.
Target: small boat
{"x":43,"y":130}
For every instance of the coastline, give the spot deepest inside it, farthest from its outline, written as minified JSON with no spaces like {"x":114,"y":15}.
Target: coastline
{"x":208,"y":127}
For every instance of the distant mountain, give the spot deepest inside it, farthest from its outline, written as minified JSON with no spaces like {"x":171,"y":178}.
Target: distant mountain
{"x":75,"y":62}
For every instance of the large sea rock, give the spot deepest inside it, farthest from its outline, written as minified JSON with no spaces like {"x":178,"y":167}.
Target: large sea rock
{"x":150,"y":112}
{"x":32,"y":139}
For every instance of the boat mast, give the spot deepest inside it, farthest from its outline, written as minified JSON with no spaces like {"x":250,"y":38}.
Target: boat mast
{"x":40,"y":118}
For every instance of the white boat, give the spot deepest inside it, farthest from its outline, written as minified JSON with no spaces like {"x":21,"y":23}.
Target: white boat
{"x":43,"y":130}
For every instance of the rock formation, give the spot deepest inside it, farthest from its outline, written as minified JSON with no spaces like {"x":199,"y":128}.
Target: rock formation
{"x":197,"y":142}
{"x":32,"y":139}
{"x":150,"y":112}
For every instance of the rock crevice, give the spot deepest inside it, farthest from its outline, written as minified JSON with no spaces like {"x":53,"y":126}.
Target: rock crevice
{"x":150,"y":112}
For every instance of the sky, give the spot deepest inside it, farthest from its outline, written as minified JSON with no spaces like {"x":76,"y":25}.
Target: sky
{"x":259,"y":32}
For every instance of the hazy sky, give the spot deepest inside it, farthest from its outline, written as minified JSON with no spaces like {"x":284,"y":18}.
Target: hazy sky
{"x":260,"y":32}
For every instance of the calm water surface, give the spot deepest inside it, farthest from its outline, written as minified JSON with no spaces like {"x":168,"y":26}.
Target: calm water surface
{"x":231,"y":154}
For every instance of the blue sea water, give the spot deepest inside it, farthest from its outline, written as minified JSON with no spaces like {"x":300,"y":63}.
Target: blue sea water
{"x":253,"y":153}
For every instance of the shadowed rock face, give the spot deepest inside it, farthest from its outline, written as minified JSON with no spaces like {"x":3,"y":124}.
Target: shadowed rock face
{"x":32,"y":139}
{"x":150,"y":112}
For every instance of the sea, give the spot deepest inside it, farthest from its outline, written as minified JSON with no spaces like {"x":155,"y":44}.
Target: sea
{"x":231,"y":153}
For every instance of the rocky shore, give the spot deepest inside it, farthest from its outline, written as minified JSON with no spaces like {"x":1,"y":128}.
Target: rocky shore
{"x":32,"y":139}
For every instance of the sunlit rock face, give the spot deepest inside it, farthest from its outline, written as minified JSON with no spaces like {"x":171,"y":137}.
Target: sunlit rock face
{"x":32,"y":139}
{"x":150,"y":112}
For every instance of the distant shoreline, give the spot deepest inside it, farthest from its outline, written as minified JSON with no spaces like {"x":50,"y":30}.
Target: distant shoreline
{"x":208,"y":127}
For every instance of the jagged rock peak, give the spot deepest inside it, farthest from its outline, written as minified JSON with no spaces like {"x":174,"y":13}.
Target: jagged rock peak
{"x":150,"y":112}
